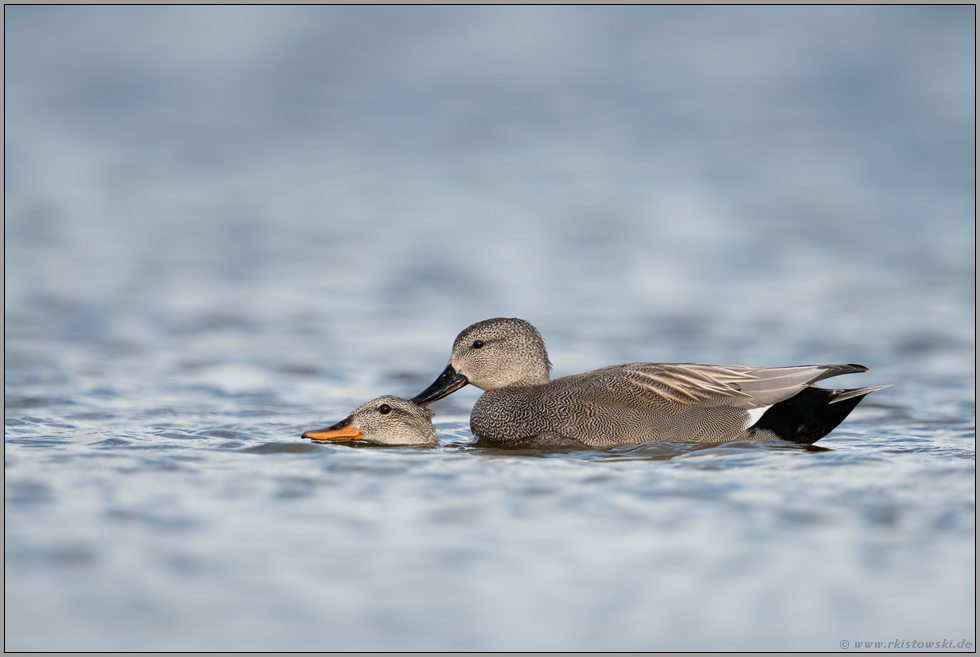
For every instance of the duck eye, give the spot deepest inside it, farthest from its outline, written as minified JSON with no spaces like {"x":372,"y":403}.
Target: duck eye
{"x":478,"y":344}
{"x":384,"y":409}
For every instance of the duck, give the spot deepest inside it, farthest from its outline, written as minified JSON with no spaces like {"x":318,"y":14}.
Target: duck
{"x":387,"y":420}
{"x":522,"y":406}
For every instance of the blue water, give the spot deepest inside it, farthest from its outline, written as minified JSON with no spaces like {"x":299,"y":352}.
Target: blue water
{"x":226,"y":226}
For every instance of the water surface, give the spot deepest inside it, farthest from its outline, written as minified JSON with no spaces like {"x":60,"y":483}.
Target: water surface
{"x":226,"y":226}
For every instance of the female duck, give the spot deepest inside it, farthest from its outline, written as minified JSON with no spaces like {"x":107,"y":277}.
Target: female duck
{"x":384,"y":421}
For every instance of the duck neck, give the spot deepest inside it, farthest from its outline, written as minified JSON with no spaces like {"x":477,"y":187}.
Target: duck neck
{"x":533,"y":375}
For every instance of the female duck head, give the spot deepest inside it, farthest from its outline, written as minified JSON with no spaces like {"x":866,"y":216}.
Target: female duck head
{"x":385,"y":421}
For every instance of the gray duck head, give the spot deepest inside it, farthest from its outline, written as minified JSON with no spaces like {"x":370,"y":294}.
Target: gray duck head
{"x":386,"y":421}
{"x":493,"y":354}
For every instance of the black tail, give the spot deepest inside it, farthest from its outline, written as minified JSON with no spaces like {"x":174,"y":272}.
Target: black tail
{"x":811,"y":414}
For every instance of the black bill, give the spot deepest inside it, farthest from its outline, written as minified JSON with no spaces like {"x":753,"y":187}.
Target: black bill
{"x":448,"y":382}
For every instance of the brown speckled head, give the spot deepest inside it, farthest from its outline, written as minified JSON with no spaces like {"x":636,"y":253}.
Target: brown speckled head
{"x":386,"y":421}
{"x":500,"y":353}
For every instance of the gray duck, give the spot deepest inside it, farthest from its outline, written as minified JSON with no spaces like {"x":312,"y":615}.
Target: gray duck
{"x":634,"y":402}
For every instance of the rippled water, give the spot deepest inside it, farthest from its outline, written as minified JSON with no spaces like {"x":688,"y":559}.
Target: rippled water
{"x":225,"y":226}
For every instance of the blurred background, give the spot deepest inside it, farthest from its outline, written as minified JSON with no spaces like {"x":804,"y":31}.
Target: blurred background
{"x":221,"y":213}
{"x":629,"y":171}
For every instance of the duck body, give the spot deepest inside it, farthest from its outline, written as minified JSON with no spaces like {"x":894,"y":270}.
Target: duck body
{"x":624,"y":404}
{"x":634,"y":402}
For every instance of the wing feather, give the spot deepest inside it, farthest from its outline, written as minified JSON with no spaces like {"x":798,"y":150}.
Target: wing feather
{"x":671,"y":387}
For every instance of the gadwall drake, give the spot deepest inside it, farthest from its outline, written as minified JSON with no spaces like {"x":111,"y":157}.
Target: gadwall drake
{"x":634,"y":402}
{"x":385,"y":421}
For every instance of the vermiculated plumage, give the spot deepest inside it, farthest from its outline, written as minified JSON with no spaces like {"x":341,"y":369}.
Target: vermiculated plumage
{"x":634,"y":402}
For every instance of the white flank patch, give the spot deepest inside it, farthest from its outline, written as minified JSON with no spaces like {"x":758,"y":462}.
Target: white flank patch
{"x":755,"y":414}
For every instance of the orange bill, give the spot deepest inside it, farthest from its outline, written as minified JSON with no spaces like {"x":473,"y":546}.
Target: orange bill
{"x":343,"y":430}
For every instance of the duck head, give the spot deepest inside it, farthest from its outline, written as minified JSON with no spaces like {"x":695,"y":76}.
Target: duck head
{"x":385,"y":421}
{"x":492,"y":354}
